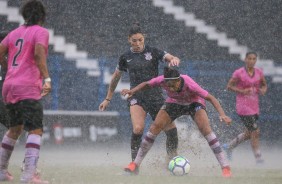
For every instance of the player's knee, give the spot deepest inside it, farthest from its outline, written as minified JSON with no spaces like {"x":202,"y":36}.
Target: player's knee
{"x":14,"y":132}
{"x":155,"y":127}
{"x":38,"y":131}
{"x":138,"y":129}
{"x":256,"y":133}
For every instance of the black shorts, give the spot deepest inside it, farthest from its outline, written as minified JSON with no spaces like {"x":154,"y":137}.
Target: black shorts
{"x":150,"y":103}
{"x":175,"y":110}
{"x":4,"y":117}
{"x":250,"y":122}
{"x":26,"y":112}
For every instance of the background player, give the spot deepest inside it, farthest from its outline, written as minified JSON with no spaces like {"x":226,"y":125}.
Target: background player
{"x":27,"y":48}
{"x":248,"y":83}
{"x":185,"y":97}
{"x":141,"y":62}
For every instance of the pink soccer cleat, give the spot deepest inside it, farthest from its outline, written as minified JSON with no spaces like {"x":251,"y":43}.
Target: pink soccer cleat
{"x":6,"y":176}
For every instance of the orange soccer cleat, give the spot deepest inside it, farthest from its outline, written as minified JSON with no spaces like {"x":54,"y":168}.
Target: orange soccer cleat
{"x":226,"y":172}
{"x":132,"y":168}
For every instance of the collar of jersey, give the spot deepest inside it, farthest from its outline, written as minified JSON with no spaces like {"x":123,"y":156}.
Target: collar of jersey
{"x":137,"y":52}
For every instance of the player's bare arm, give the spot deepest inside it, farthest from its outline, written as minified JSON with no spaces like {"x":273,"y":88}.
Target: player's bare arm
{"x":172,"y":60}
{"x":231,"y":85}
{"x":263,"y":87}
{"x":112,"y":87}
{"x":40,"y":58}
{"x":217,"y":106}
{"x":140,"y":87}
{"x":3,"y":52}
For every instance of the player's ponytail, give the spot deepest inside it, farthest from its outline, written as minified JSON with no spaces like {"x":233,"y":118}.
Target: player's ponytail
{"x":33,"y":12}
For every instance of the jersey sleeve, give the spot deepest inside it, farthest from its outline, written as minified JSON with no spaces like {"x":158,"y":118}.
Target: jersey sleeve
{"x":121,"y":66}
{"x":236,"y":75}
{"x":157,"y":81}
{"x":160,"y":54}
{"x":260,"y":71}
{"x":42,"y":37}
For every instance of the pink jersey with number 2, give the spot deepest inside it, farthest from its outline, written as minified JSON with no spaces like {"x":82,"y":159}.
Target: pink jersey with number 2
{"x":23,"y":79}
{"x":247,"y":104}
{"x":191,"y":91}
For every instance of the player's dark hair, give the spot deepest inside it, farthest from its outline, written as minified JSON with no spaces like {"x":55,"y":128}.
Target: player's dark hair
{"x":33,"y":12}
{"x":3,"y":34}
{"x":248,"y":53}
{"x":135,"y":29}
{"x":171,"y":73}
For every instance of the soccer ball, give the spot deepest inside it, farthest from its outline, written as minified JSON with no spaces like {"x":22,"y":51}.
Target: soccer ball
{"x":179,"y":166}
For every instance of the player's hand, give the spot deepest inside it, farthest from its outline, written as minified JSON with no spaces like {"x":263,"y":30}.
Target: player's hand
{"x":126,"y":93}
{"x":175,"y":61}
{"x":46,"y":89}
{"x":226,"y":119}
{"x":104,"y":105}
{"x":262,"y":91}
{"x":247,"y":91}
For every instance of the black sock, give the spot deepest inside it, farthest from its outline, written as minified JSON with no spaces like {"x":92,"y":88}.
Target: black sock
{"x":135,"y":144}
{"x":171,"y":142}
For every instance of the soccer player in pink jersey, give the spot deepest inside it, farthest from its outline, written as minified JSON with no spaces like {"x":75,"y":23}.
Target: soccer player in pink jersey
{"x":185,"y":97}
{"x":27,"y":80}
{"x":248,"y":83}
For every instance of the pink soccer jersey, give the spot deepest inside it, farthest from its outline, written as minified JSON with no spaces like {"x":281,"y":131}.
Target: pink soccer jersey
{"x":191,"y":91}
{"x":23,"y":79}
{"x":247,"y":104}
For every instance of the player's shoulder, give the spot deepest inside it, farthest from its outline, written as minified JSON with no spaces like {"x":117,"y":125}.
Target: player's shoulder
{"x":149,"y":48}
{"x":185,"y":77}
{"x":258,"y":70}
{"x":239,"y":70}
{"x":40,"y":28}
{"x":126,"y":54}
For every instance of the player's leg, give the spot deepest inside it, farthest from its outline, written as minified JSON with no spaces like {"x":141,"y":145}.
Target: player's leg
{"x":228,"y":147}
{"x":171,"y":140}
{"x":203,"y":124}
{"x":255,"y":145}
{"x":160,"y":122}
{"x":33,"y":117}
{"x":4,"y":117}
{"x":239,"y":139}
{"x":170,"y":130}
{"x":8,"y":142}
{"x":138,"y":116}
{"x":158,"y":125}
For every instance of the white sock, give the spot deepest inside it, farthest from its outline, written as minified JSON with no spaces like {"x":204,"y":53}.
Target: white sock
{"x":6,"y":150}
{"x":145,"y":146}
{"x":216,"y":148}
{"x":31,"y":156}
